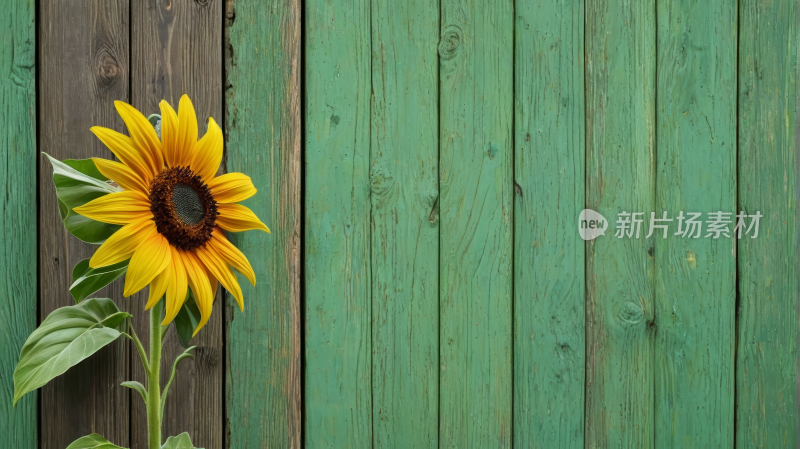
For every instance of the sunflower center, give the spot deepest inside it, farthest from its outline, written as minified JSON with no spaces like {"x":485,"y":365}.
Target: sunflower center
{"x":188,"y":205}
{"x":183,"y":207}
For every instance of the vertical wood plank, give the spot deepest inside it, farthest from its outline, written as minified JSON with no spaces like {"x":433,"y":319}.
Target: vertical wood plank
{"x":18,"y":425}
{"x":549,"y":257}
{"x":84,"y":54}
{"x":262,"y":120}
{"x":338,"y":388}
{"x":405,"y":229}
{"x":176,"y":50}
{"x":695,"y":295}
{"x":620,"y":125}
{"x":766,"y":392}
{"x":476,"y":182}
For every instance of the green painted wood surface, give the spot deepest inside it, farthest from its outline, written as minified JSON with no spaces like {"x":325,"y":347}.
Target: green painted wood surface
{"x":620,"y":133}
{"x":338,"y":313}
{"x":695,"y":294}
{"x":766,"y":393}
{"x":18,"y":424}
{"x":549,"y":257}
{"x":263,"y":391}
{"x":404,"y":178}
{"x":476,"y":107}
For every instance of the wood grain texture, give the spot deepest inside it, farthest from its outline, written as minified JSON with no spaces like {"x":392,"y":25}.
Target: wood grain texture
{"x":766,"y":392}
{"x":695,"y":294}
{"x":18,"y":425}
{"x":338,"y":384}
{"x":83,"y":61}
{"x":263,"y":381}
{"x":549,"y":256}
{"x":176,"y":50}
{"x":405,"y":229}
{"x":620,"y":126}
{"x":476,"y":247}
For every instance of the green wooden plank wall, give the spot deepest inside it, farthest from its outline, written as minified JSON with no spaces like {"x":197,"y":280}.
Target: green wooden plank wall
{"x":18,"y":424}
{"x":422,"y":166}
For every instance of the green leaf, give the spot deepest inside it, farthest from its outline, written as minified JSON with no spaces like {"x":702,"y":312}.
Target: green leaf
{"x":133,"y":385}
{"x":65,"y":338}
{"x":78,"y":182}
{"x":187,"y":320}
{"x":181,"y":441}
{"x":93,"y":441}
{"x":86,"y":281}
{"x":186,"y":354}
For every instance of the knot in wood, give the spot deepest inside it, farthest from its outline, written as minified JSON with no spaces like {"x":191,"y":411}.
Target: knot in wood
{"x":631,"y":314}
{"x":107,"y":67}
{"x":450,"y":43}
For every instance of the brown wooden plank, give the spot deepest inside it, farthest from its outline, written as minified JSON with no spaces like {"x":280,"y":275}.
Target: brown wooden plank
{"x":262,"y":124}
{"x":176,"y":50}
{"x":83,"y":66}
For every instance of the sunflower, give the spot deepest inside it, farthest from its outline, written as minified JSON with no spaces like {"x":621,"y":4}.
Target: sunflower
{"x":173,"y":210}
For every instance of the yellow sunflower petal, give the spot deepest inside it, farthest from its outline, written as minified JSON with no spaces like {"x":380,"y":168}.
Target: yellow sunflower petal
{"x":158,"y":288}
{"x":169,"y":135}
{"x":176,"y":290}
{"x":143,"y":134}
{"x":238,"y":218}
{"x":121,"y":174}
{"x":201,"y":287}
{"x":208,"y":154}
{"x":117,"y":208}
{"x":231,"y":188}
{"x":218,"y":268}
{"x":121,"y":245}
{"x":231,"y":254}
{"x":125,"y":150}
{"x":187,"y":128}
{"x":148,"y":261}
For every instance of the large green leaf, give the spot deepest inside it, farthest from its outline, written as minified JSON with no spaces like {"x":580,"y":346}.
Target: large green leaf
{"x":86,"y":280}
{"x":187,"y":320}
{"x":78,"y":182}
{"x":65,"y":338}
{"x":93,"y":441}
{"x":181,"y":441}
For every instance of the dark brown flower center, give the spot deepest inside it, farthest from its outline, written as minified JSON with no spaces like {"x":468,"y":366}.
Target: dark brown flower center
{"x":183,"y":208}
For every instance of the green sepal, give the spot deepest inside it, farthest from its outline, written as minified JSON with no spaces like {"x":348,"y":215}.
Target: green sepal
{"x":187,"y":320}
{"x":78,"y":182}
{"x":86,"y":280}
{"x":181,"y":441}
{"x":133,"y":385}
{"x":93,"y":441}
{"x":66,"y":337}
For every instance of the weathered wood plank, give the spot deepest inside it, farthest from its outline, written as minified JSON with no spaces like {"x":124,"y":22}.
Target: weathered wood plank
{"x":18,"y":425}
{"x":766,"y":392}
{"x":83,"y":63}
{"x":476,"y":182}
{"x":263,"y":382}
{"x":176,"y":50}
{"x":620,"y":127}
{"x":338,"y":384}
{"x":405,"y":229}
{"x":549,"y":258}
{"x":695,"y":294}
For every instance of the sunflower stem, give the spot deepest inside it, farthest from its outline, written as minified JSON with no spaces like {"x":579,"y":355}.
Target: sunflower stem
{"x":153,"y":382}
